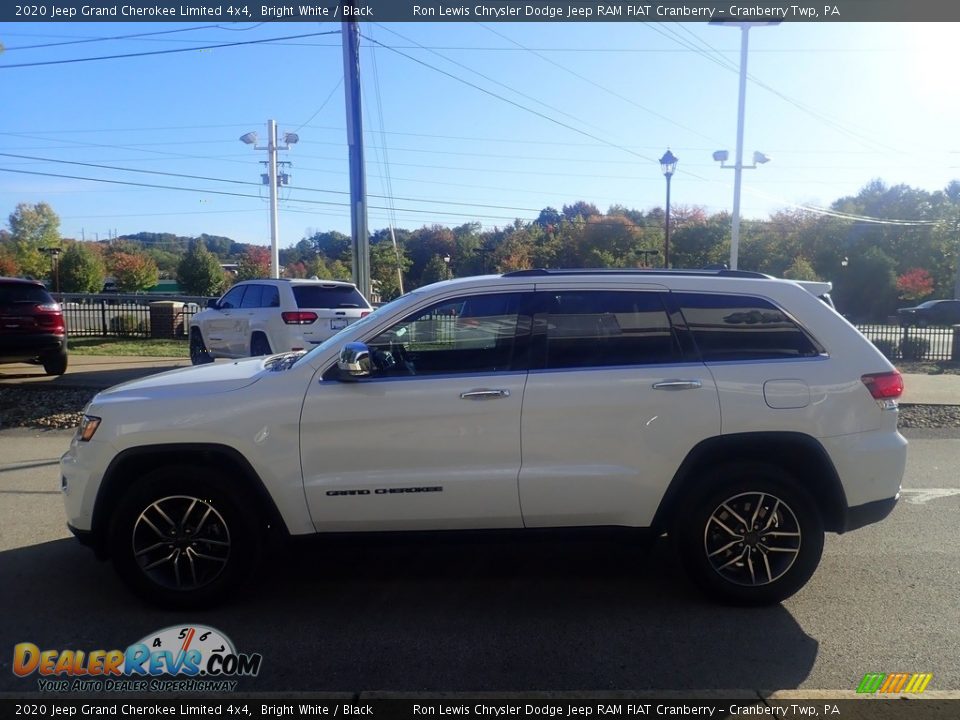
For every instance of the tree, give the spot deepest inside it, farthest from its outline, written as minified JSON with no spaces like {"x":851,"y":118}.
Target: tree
{"x":81,"y":269}
{"x":8,"y":263}
{"x":199,"y":273}
{"x":33,"y":227}
{"x":800,"y":269}
{"x":254,"y":263}
{"x":435,"y":270}
{"x":915,"y":284}
{"x":134,"y":273}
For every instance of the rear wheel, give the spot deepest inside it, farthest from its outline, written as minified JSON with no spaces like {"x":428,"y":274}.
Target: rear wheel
{"x":259,"y":345}
{"x":199,"y":355}
{"x":752,"y":537}
{"x":184,"y":538}
{"x":55,"y":364}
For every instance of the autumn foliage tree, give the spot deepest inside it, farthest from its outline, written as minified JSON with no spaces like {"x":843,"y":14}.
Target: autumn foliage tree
{"x":915,"y":284}
{"x":254,"y":263}
{"x":134,"y":272}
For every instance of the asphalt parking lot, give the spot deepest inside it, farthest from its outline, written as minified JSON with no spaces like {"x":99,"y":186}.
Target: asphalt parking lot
{"x":488,"y":615}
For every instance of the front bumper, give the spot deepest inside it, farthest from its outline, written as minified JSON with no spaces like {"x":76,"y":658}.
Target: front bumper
{"x":872,"y":512}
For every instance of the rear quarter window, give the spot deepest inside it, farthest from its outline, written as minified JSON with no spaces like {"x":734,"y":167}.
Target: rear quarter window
{"x":739,"y":327}
{"x":328,"y":298}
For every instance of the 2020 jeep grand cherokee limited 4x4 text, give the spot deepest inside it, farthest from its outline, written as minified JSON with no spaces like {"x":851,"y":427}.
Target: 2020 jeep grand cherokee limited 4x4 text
{"x":737,"y":413}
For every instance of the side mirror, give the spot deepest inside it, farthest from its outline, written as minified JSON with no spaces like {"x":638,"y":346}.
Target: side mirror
{"x":354,"y":362}
{"x":213,"y":304}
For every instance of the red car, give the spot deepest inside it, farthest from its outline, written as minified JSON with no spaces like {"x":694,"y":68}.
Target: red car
{"x":31,"y":326}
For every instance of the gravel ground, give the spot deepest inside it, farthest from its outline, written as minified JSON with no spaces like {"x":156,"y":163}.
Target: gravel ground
{"x":62,"y":408}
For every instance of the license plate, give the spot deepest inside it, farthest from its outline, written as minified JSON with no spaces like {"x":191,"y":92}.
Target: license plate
{"x":338,"y":323}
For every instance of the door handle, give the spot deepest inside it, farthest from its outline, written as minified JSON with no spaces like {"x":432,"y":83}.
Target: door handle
{"x":677,"y":385}
{"x":484,"y":394}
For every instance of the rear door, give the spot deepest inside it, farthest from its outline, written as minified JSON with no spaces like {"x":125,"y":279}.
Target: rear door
{"x":613,"y":403}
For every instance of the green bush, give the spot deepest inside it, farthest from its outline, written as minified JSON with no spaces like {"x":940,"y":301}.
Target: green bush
{"x":887,"y":347}
{"x":914,"y":348}
{"x":126,"y":325}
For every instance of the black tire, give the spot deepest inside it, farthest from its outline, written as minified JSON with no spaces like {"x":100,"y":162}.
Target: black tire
{"x":196,"y":552}
{"x":259,"y":345}
{"x":749,"y":568}
{"x":199,"y":355}
{"x":55,"y":364}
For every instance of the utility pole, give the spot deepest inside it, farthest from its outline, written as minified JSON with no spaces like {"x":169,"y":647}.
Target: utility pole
{"x":274,"y":178}
{"x":358,"y":186}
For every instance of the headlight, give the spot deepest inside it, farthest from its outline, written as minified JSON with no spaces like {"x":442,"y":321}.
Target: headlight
{"x":88,"y":426}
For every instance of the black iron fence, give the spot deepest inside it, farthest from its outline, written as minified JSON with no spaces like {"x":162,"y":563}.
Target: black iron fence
{"x":915,"y":344}
{"x":120,"y":315}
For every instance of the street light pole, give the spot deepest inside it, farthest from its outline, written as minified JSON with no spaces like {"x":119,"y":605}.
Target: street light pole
{"x":668,"y":163}
{"x":741,"y":106}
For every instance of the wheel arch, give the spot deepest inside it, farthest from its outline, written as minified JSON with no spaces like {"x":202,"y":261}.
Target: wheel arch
{"x":139,"y":461}
{"x":802,"y":456}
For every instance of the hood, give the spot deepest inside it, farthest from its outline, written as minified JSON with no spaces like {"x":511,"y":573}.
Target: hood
{"x":192,"y":381}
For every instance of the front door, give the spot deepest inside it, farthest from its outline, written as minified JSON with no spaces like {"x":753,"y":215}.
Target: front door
{"x":431,"y":440}
{"x":222,"y":329}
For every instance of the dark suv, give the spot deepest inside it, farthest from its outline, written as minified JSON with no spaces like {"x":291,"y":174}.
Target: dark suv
{"x":31,"y":326}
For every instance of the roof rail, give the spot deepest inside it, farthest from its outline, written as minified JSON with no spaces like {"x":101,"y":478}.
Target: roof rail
{"x":543,"y":272}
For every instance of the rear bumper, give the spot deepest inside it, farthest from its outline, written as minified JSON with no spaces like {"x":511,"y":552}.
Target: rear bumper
{"x":872,"y":512}
{"x":20,"y":348}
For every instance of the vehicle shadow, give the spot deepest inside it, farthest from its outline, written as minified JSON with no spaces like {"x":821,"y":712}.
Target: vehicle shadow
{"x":432,"y":614}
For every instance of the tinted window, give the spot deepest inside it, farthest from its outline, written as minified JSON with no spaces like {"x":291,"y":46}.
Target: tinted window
{"x":468,"y":335}
{"x":270,"y":297}
{"x":604,"y":328}
{"x":251,"y":298}
{"x":733,"y":327}
{"x":22,"y":293}
{"x":232,"y":298}
{"x":326,"y":298}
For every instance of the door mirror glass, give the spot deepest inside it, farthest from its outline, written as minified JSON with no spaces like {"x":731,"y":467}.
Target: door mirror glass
{"x":354,"y":362}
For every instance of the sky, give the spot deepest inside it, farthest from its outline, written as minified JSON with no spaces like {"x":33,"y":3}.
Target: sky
{"x":463,"y":122}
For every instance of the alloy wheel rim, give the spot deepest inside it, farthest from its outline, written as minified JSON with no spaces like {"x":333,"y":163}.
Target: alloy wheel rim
{"x":752,"y":539}
{"x":181,"y":542}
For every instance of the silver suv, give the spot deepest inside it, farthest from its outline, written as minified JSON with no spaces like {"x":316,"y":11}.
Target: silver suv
{"x":737,"y":413}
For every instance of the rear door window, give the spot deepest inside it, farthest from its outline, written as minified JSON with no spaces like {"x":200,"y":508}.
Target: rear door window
{"x":739,"y":327}
{"x":319,"y":297}
{"x":588,"y":328}
{"x":270,"y":297}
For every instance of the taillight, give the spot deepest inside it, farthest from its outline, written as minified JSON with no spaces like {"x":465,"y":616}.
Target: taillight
{"x":364,"y":313}
{"x":884,"y":387}
{"x":299,"y":317}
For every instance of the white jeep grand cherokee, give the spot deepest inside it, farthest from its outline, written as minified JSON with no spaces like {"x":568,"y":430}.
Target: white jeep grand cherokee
{"x":735,"y":412}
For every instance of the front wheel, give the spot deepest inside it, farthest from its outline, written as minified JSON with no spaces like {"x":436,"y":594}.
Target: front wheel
{"x":184,"y":538}
{"x":199,"y":355}
{"x":752,"y":536}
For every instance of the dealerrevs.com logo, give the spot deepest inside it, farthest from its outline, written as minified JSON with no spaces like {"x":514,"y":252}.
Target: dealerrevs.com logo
{"x":176,"y":659}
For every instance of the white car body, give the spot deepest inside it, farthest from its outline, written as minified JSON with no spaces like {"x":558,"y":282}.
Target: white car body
{"x":581,"y":447}
{"x":288,"y":314}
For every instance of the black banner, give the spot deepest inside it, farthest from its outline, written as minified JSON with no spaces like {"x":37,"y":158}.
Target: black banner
{"x":760,"y":11}
{"x":484,"y":709}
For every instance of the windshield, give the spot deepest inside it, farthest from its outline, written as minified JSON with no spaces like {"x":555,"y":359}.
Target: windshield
{"x":359,"y":325}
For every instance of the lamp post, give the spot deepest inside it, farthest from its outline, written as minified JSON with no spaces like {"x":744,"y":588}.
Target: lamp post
{"x":273,"y":178}
{"x":668,"y":164}
{"x":54,"y":253}
{"x":741,"y":105}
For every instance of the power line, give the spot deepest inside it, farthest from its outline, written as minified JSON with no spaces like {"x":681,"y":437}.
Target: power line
{"x":82,"y":41}
{"x":165,"y":52}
